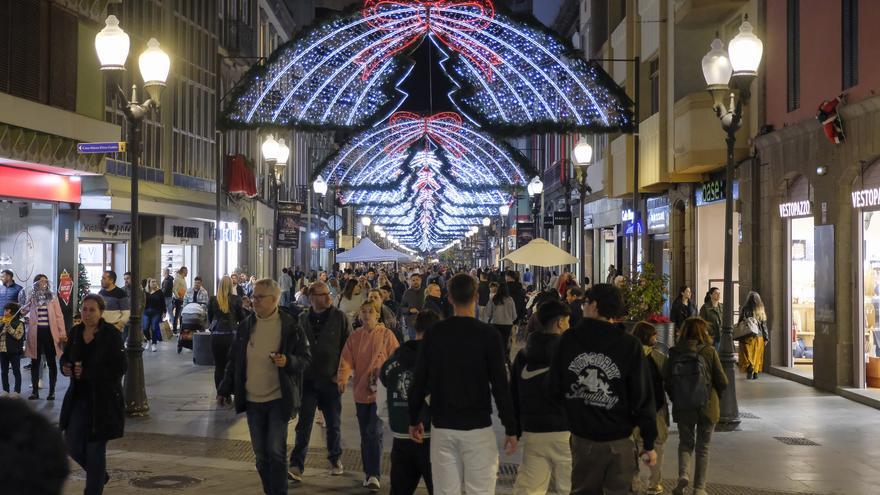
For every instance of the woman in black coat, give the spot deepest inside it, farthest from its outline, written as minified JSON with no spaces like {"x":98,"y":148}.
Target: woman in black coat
{"x":224,"y":312}
{"x":683,"y":307}
{"x":94,"y":410}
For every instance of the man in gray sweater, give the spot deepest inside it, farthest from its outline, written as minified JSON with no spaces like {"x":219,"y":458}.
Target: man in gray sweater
{"x":411,"y":303}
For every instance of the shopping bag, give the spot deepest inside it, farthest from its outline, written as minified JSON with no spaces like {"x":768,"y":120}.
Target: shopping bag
{"x":165,"y":328}
{"x":746,"y":327}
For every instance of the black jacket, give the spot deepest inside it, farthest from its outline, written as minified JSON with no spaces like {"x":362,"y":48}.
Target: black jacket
{"x":326,"y":343}
{"x":155,"y":303}
{"x":225,"y":322}
{"x":167,"y":286}
{"x":294,"y":345}
{"x":437,"y":305}
{"x":515,"y":290}
{"x":681,"y":311}
{"x":535,"y":412}
{"x":462,"y":364}
{"x":601,"y":377}
{"x":483,"y":291}
{"x":103,"y":368}
{"x":577,"y":312}
{"x":396,"y":375}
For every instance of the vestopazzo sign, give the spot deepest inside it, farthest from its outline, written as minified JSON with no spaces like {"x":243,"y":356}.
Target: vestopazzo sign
{"x":795,"y":209}
{"x":866,"y":198}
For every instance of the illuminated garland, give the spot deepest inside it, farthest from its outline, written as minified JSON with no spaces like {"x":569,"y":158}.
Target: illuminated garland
{"x":514,"y":76}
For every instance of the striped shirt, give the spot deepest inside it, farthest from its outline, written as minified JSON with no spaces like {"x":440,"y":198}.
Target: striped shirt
{"x":43,"y":316}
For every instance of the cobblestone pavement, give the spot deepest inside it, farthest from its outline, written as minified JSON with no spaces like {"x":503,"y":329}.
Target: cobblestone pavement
{"x":793,"y":439}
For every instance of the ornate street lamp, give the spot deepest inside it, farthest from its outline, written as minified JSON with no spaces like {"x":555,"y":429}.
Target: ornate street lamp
{"x":729,"y":76}
{"x":320,"y":187}
{"x":112,"y":45}
{"x":582,"y":155}
{"x":275,"y":153}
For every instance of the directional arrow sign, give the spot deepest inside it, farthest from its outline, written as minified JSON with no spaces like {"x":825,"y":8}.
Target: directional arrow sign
{"x":111,"y":147}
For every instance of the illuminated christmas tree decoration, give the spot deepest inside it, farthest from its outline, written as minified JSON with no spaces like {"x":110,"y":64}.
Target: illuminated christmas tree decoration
{"x":513,"y":76}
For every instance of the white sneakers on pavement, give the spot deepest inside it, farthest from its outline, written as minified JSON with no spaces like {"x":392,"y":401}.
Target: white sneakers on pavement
{"x":336,"y":468}
{"x":294,"y":474}
{"x":372,"y":484}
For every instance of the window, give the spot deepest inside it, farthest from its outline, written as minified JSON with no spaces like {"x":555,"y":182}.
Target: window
{"x":654,"y":81}
{"x":793,"y":53}
{"x":849,"y":17}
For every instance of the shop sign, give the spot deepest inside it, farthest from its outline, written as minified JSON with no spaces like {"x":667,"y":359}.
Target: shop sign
{"x":525,"y":232}
{"x":329,"y":243}
{"x":627,"y":215}
{"x":588,"y":222}
{"x":65,"y":287}
{"x":289,"y":221}
{"x":714,"y":191}
{"x":795,"y":209}
{"x":96,"y":229}
{"x":228,"y":232}
{"x":658,"y":220}
{"x":608,"y":235}
{"x":184,"y":232}
{"x":548,"y":222}
{"x":562,"y":218}
{"x":866,"y":198}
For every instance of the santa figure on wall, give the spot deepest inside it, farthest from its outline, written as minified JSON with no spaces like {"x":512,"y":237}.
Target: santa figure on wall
{"x":830,"y":119}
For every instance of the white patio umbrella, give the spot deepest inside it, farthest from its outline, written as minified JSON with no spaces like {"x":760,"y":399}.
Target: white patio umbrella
{"x":539,"y":252}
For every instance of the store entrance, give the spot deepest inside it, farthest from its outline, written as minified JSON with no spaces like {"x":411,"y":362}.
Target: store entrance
{"x":710,"y":252}
{"x":870,"y":300}
{"x":98,"y":257}
{"x":175,"y":256}
{"x":801,"y":293}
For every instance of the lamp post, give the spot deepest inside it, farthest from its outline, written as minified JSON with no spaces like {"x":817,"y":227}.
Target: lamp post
{"x":503,"y":211}
{"x":535,"y":190}
{"x":275,"y":153}
{"x":729,"y":77}
{"x":582,"y":155}
{"x":112,"y":45}
{"x":487,"y":222}
{"x":366,"y":221}
{"x":320,"y":187}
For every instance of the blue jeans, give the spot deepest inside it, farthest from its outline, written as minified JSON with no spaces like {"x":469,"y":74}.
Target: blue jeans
{"x":268,"y":428}
{"x":371,"y":438}
{"x":90,"y":455}
{"x":150,"y":324}
{"x":326,"y":397}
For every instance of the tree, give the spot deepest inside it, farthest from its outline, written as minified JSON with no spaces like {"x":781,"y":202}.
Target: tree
{"x":83,"y":284}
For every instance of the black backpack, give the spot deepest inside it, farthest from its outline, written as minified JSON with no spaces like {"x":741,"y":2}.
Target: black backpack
{"x":689,"y":380}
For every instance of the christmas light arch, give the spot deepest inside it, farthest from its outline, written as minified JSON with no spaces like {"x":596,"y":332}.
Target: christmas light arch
{"x":514,"y":76}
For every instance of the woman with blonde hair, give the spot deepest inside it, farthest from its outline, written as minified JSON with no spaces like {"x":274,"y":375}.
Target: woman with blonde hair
{"x":694,"y":379}
{"x":224,"y":313}
{"x":751,"y":347}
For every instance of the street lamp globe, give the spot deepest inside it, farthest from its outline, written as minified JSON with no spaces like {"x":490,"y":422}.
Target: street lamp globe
{"x":320,"y":186}
{"x":535,"y":187}
{"x":746,"y":51}
{"x":486,"y":222}
{"x":582,"y":154}
{"x":716,"y":66}
{"x":112,"y":45}
{"x":366,"y":221}
{"x":154,"y":64}
{"x":504,"y":210}
{"x":283,"y":152}
{"x":270,"y":149}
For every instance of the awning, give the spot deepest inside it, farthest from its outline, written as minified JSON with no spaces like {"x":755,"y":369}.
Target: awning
{"x":27,"y":183}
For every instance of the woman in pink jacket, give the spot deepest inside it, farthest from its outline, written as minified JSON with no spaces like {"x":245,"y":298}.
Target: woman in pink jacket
{"x":46,"y":334}
{"x":363,"y":354}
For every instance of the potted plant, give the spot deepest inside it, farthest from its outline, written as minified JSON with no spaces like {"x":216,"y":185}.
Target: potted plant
{"x":644,"y":295}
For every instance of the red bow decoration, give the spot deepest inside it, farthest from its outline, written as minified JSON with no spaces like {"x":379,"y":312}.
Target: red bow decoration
{"x":440,"y":127}
{"x":409,"y":20}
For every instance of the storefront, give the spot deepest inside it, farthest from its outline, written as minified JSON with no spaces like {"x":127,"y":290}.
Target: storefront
{"x":796,"y":214}
{"x":230,"y":239}
{"x":29,"y":222}
{"x":866,"y":205}
{"x":603,"y":222}
{"x":710,"y":201}
{"x":103,"y":245}
{"x":181,"y":243}
{"x":659,"y":244}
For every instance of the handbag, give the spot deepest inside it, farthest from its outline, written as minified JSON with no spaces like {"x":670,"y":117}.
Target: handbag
{"x":746,"y":327}
{"x":165,"y":328}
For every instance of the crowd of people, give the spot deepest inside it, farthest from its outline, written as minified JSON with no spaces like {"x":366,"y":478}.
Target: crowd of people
{"x":586,"y":397}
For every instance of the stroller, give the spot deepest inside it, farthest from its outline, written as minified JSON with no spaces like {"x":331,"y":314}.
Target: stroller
{"x":193,"y":318}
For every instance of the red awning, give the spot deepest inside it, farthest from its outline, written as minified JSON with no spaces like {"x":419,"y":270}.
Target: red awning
{"x":239,"y":176}
{"x":26,"y":183}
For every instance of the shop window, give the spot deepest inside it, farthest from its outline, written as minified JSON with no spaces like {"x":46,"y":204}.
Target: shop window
{"x":871,"y":295}
{"x":802,"y":274}
{"x":27,"y":240}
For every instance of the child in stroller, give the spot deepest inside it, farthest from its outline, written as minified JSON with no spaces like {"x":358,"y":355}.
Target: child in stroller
{"x":194,"y":318}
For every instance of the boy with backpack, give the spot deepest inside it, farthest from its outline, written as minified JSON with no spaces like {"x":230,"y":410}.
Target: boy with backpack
{"x":694,"y":381}
{"x":410,"y":461}
{"x":600,"y":376}
{"x":11,"y":346}
{"x":541,"y":423}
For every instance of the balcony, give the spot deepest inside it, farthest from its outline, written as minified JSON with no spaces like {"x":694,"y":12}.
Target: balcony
{"x":699,"y":140}
{"x":697,"y":12}
{"x":652,"y":171}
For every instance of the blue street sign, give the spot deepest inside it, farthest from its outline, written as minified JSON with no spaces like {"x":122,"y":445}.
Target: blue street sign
{"x":111,"y":147}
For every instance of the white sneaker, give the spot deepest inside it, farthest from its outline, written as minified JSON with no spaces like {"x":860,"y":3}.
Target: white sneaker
{"x":372,"y":484}
{"x":153,"y":348}
{"x":14,"y":395}
{"x":336,"y":468}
